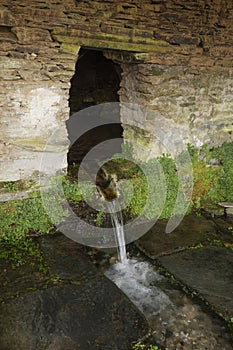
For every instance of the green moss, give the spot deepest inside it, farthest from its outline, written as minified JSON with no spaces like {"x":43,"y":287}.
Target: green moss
{"x":212,"y":181}
{"x":32,"y":143}
{"x":23,"y":252}
{"x":117,"y":42}
{"x":16,"y":186}
{"x":142,"y":56}
{"x":20,"y":218}
{"x":142,"y":137}
{"x":213,"y":175}
{"x":39,"y":145}
{"x":71,"y":49}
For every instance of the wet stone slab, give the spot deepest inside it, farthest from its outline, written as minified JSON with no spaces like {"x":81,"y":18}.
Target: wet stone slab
{"x":209,"y":272}
{"x":93,"y":315}
{"x":66,"y":259}
{"x":192,"y":231}
{"x":82,"y":310}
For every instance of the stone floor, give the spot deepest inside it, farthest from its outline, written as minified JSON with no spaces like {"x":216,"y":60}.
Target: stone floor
{"x":199,"y":254}
{"x":74,"y":306}
{"x":77,"y":307}
{"x":207,"y":271}
{"x":192,"y":231}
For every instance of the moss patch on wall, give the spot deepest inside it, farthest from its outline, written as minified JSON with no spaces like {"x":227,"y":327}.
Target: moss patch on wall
{"x":114,"y":42}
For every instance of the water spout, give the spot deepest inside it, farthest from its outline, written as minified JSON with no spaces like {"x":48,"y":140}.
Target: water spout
{"x":107,"y":188}
{"x":106,"y":185}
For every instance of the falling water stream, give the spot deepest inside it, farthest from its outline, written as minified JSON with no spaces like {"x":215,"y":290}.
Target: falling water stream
{"x":135,"y":278}
{"x":117,"y":223}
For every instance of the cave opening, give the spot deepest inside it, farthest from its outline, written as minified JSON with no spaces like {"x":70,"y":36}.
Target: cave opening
{"x":96,"y":81}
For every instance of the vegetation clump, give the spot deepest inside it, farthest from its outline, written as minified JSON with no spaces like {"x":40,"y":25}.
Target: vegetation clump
{"x":212,"y":183}
{"x":212,"y":170}
{"x":22,"y":220}
{"x":213,"y":175}
{"x":21,"y":252}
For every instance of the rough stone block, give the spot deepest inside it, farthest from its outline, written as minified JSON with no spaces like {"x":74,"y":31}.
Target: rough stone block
{"x":6,"y":17}
{"x":29,"y":35}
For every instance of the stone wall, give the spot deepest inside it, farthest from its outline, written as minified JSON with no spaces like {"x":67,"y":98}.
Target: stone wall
{"x":183,"y":105}
{"x":176,"y":59}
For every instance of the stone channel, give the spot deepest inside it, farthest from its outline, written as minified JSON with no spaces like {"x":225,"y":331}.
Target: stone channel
{"x":75,"y":306}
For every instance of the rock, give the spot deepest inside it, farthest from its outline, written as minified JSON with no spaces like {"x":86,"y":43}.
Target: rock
{"x":207,"y":271}
{"x":66,"y":260}
{"x":29,"y":35}
{"x":92,"y":315}
{"x":192,"y":231}
{"x":81,"y":308}
{"x":6,"y":17}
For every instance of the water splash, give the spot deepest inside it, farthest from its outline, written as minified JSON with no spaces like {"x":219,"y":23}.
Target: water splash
{"x":137,"y":279}
{"x":117,"y":223}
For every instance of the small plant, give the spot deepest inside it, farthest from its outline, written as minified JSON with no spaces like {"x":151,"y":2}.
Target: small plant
{"x":197,"y":246}
{"x":72,"y":191}
{"x":230,"y":324}
{"x":141,"y":346}
{"x":152,"y":191}
{"x":19,"y":185}
{"x":145,"y":343}
{"x":11,"y":186}
{"x":217,"y":243}
{"x":194,"y":294}
{"x":99,"y":218}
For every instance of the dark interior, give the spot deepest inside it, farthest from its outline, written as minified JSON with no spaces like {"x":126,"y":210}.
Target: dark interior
{"x":96,"y":80}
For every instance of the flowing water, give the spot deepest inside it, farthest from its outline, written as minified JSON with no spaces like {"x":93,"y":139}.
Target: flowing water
{"x":117,"y":223}
{"x":176,"y":321}
{"x":135,"y":278}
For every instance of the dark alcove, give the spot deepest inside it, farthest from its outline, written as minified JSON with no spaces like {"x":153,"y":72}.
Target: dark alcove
{"x":96,"y":81}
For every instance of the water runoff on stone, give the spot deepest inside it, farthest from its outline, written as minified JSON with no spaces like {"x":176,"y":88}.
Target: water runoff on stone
{"x":135,"y":278}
